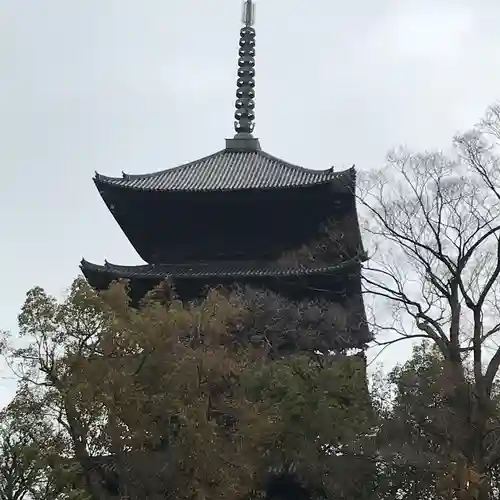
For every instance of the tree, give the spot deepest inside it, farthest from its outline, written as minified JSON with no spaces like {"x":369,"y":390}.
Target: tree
{"x":416,"y":434}
{"x":24,"y":465}
{"x":434,"y":224}
{"x":162,"y":400}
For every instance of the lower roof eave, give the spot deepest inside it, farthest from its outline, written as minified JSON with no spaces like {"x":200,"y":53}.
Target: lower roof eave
{"x":152,"y":272}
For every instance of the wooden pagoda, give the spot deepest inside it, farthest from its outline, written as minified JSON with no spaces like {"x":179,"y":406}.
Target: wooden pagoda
{"x":239,"y":216}
{"x":242,"y":217}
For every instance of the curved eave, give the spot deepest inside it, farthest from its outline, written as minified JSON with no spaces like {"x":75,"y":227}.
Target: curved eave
{"x":160,"y":272}
{"x":229,"y":175}
{"x":103,"y":182}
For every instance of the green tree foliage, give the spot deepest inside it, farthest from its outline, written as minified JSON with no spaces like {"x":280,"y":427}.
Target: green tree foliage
{"x":27,"y":448}
{"x":162,"y":402}
{"x":420,"y":432}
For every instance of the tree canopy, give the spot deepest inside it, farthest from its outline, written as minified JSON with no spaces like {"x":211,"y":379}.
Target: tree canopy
{"x":160,"y":400}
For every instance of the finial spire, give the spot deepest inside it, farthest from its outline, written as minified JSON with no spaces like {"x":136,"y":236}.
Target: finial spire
{"x":248,"y":13}
{"x":245,"y":93}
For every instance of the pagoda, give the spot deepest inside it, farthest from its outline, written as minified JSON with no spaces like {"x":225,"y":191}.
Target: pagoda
{"x":239,"y":216}
{"x":242,"y":218}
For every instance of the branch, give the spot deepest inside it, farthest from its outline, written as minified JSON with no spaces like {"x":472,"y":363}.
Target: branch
{"x":403,"y":337}
{"x":491,"y":372}
{"x":399,"y":296}
{"x":400,"y":237}
{"x":492,"y":279}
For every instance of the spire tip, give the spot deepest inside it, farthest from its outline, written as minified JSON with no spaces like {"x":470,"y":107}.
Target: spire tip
{"x":248,"y":17}
{"x":245,"y":94}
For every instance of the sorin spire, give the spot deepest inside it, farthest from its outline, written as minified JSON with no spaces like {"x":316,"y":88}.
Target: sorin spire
{"x":245,"y":104}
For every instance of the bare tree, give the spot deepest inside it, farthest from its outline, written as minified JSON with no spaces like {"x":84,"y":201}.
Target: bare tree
{"x":433,"y":221}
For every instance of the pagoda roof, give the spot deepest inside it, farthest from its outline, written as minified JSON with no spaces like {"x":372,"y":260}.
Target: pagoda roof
{"x":229,"y":170}
{"x":215,"y":269}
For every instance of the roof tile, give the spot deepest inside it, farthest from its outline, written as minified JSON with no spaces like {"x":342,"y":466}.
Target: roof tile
{"x":229,"y":170}
{"x":218,"y":270}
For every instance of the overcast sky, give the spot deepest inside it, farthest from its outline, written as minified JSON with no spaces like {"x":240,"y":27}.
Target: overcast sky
{"x":139,"y":86}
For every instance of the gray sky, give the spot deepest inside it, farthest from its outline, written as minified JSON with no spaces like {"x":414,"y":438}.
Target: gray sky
{"x":139,"y":86}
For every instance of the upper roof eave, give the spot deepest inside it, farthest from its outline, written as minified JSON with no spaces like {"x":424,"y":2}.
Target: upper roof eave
{"x":228,"y":170}
{"x":111,"y":179}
